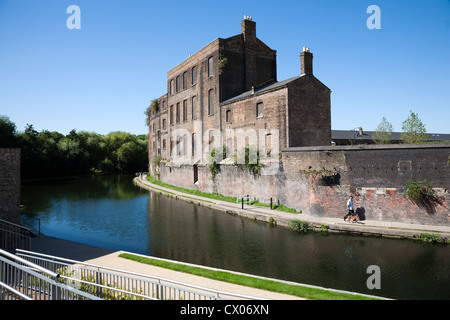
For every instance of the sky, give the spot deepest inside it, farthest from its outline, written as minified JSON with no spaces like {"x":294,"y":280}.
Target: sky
{"x":102,"y":76}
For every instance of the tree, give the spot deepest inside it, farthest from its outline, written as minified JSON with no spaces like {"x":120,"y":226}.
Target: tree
{"x":414,"y":130}
{"x":7,"y":133}
{"x":383,"y":133}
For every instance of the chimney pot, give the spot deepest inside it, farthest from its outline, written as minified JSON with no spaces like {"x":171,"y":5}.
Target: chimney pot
{"x":306,"y":61}
{"x":248,"y":28}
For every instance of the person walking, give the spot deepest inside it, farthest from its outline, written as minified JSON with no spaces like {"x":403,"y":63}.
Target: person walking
{"x":350,"y":208}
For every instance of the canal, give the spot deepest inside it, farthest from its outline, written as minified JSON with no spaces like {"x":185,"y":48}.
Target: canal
{"x":110,"y":212}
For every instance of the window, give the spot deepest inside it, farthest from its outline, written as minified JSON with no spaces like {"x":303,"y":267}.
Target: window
{"x":171,"y":115}
{"x":194,"y":144}
{"x":194,"y":107}
{"x":178,"y":113}
{"x":164,"y":144}
{"x":259,"y":110}
{"x":268,"y":144}
{"x":210,"y":67}
{"x":184,"y":110}
{"x":171,"y":87}
{"x":194,"y":75}
{"x":184,"y":80}
{"x":178,"y":84}
{"x":228,"y":116}
{"x":211,"y":102}
{"x":164,"y":124}
{"x":185,"y":145}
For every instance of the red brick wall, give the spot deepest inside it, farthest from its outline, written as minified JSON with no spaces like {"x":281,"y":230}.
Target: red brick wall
{"x":304,"y":181}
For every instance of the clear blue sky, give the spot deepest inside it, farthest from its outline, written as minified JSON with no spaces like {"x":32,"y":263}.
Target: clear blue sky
{"x":102,"y":77}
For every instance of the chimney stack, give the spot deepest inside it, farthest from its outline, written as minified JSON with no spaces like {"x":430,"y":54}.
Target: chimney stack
{"x":306,"y":58}
{"x":248,"y":28}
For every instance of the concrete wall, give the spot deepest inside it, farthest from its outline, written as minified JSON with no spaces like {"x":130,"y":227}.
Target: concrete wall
{"x":319,"y":180}
{"x":10,"y":185}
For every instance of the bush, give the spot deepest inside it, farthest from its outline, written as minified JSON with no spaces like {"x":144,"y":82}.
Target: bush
{"x":432,"y":238}
{"x":421,"y":193}
{"x":299,"y":225}
{"x":419,"y":190}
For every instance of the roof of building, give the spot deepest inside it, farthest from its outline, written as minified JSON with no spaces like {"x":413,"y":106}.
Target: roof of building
{"x":272,"y":86}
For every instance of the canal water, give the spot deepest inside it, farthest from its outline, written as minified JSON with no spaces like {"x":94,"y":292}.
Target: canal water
{"x":111,"y":212}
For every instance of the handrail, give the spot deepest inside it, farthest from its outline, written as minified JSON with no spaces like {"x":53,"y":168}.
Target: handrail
{"x":15,"y":272}
{"x":28,"y":263}
{"x":14,"y":291}
{"x":13,"y":236}
{"x":135,"y":274}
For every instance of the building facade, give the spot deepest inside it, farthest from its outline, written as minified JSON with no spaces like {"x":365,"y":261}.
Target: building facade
{"x":227,"y":94}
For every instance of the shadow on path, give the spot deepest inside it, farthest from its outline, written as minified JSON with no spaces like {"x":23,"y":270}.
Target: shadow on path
{"x":67,"y":249}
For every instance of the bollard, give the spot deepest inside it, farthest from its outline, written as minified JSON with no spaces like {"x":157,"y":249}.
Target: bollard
{"x":242,"y":201}
{"x":270,"y":203}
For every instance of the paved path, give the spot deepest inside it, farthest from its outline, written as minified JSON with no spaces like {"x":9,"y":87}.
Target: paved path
{"x":375,"y":227}
{"x":110,"y":258}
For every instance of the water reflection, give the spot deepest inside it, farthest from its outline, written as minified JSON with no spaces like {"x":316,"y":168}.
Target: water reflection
{"x":111,"y":212}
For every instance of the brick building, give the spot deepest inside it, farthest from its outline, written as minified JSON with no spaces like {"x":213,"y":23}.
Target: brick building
{"x":228,"y":92}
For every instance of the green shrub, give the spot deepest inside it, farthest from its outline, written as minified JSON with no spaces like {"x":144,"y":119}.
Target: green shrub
{"x":299,"y":225}
{"x":432,"y":238}
{"x":419,"y":190}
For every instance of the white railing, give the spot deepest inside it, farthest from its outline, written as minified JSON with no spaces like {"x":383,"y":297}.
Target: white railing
{"x":110,"y":283}
{"x":23,"y":280}
{"x":14,"y":236}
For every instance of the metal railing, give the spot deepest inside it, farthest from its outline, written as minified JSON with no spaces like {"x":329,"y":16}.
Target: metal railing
{"x":110,"y":283}
{"x":14,"y":236}
{"x":23,"y":280}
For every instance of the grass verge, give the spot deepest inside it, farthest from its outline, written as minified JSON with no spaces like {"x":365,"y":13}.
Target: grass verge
{"x":216,"y":196}
{"x":264,"y":284}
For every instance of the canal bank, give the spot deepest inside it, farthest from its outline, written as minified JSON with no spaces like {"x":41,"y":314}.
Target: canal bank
{"x":282,"y":218}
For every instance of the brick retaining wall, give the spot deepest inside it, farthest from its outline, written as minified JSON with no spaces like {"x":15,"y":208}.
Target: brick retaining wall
{"x":319,"y":180}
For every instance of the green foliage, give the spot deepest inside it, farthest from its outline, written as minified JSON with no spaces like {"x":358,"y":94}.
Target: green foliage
{"x":423,"y":195}
{"x":324,"y":228}
{"x":154,"y":105}
{"x":272,"y":221}
{"x":222,"y":64}
{"x":307,"y":292}
{"x":383,"y":133}
{"x":419,"y":190}
{"x":49,"y":154}
{"x":431,"y":238}
{"x":7,"y":133}
{"x":414,"y":130}
{"x":216,"y":155}
{"x":249,"y":158}
{"x":157,"y":161}
{"x":299,"y":225}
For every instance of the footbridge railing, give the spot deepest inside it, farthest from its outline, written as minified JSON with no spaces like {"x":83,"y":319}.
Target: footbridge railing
{"x":14,"y":236}
{"x":111,"y":284}
{"x":23,"y":280}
